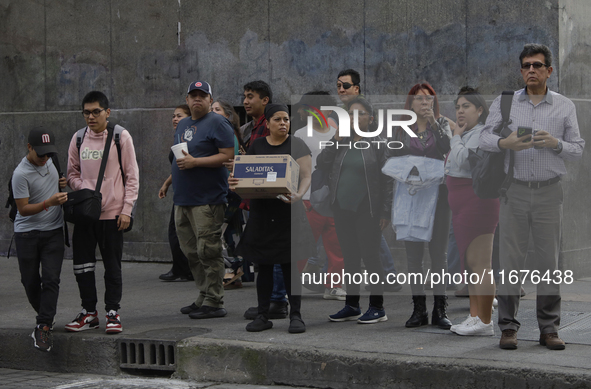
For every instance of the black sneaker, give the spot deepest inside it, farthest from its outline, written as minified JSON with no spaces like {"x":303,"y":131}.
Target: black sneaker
{"x":189,"y":309}
{"x":277,"y":310}
{"x":206,"y":312}
{"x":42,"y":338}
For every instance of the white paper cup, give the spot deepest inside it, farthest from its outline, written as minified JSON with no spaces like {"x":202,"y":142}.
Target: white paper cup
{"x":177,"y":150}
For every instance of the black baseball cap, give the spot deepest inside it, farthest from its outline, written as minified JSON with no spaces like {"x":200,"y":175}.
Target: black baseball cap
{"x":201,"y":85}
{"x":42,"y":140}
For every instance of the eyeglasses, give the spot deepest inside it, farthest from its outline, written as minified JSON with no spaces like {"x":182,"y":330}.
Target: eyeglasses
{"x":423,"y":98}
{"x":536,"y":65}
{"x":95,"y":113}
{"x":345,"y":85}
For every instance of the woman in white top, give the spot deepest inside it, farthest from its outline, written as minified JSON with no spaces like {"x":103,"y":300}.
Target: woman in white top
{"x":474,"y":219}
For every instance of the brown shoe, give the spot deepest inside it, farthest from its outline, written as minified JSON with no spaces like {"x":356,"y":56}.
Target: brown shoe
{"x":509,"y":340}
{"x":552,"y":341}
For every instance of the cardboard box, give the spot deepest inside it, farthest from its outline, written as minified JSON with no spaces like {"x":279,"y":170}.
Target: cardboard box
{"x":266,"y":176}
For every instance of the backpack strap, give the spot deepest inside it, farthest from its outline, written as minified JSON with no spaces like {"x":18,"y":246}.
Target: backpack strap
{"x":56,"y":163}
{"x":80,"y":137}
{"x":117,"y":130}
{"x":506,"y":103}
{"x":60,"y":174}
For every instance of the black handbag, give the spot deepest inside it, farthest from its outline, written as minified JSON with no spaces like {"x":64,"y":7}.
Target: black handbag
{"x":85,"y":205}
{"x":489,"y":179}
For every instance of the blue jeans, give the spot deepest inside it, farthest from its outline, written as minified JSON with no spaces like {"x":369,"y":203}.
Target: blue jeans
{"x":279,"y":291}
{"x":320,"y":258}
{"x":386,"y":257}
{"x":45,"y":249}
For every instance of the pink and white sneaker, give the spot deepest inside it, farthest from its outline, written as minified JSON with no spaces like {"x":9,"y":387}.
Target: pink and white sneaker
{"x":113,"y":323}
{"x":84,"y":321}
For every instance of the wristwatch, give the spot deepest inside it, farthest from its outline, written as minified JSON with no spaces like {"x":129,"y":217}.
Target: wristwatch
{"x":558,"y":148}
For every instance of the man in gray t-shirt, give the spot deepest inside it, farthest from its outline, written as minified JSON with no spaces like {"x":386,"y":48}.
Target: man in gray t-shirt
{"x":38,"y":230}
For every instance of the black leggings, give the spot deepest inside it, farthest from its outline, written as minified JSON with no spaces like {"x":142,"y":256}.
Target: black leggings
{"x":437,"y":248}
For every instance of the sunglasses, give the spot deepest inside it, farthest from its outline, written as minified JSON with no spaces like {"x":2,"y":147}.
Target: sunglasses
{"x":536,"y":65}
{"x":345,"y":85}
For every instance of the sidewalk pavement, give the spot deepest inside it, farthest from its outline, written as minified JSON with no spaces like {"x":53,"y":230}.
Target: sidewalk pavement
{"x":336,"y":355}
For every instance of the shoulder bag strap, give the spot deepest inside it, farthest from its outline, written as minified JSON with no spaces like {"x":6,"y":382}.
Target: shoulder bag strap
{"x":99,"y":181}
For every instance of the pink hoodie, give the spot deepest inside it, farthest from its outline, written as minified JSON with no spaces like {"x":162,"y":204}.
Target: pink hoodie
{"x":117,"y":199}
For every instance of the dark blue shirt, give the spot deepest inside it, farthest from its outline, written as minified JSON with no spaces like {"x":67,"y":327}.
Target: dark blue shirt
{"x":204,"y":137}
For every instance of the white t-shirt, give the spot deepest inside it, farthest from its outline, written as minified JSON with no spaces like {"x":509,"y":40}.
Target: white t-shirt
{"x":313,"y":142}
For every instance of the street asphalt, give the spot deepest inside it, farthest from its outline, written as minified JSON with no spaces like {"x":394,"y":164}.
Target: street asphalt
{"x":335,"y":355}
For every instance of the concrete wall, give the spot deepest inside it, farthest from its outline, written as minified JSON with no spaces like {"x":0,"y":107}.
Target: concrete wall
{"x":144,"y":54}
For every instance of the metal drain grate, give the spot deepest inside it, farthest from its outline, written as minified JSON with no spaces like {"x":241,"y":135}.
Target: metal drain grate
{"x":147,"y":354}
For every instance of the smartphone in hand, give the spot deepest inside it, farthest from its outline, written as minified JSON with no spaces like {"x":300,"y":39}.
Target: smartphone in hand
{"x":521,"y":131}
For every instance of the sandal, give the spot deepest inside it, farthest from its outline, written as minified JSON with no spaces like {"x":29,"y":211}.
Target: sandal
{"x":232,"y":277}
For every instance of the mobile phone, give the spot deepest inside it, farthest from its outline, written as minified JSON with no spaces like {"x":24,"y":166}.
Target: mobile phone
{"x":521,"y":131}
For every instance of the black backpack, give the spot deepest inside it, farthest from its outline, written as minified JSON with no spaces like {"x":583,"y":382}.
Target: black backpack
{"x":489,"y":180}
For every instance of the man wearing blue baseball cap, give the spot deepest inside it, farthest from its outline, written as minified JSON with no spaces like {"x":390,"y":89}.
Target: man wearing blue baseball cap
{"x":200,"y":185}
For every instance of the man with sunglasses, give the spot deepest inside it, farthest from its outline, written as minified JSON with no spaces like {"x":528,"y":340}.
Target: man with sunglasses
{"x":348,"y":85}
{"x":534,"y":200}
{"x":119,"y":198}
{"x":38,"y":230}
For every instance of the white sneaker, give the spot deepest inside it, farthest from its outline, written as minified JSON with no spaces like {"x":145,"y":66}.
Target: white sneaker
{"x":335,"y":294}
{"x":477,"y":328}
{"x":495,"y":303}
{"x":466,"y":322}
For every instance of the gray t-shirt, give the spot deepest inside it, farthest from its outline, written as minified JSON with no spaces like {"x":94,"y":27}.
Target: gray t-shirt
{"x":38,"y":183}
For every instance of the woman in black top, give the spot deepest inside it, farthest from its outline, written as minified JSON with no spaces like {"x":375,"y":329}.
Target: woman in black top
{"x":267,"y":239}
{"x":361,"y":197}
